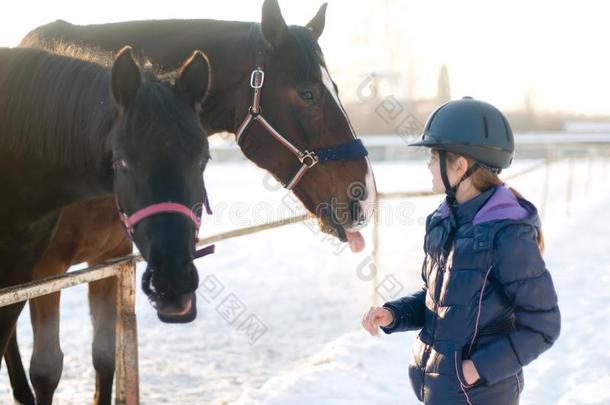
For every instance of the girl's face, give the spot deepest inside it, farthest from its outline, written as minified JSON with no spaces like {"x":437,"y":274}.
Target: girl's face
{"x":455,"y":171}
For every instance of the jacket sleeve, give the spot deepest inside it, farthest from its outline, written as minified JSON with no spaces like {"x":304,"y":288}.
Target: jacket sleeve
{"x":520,"y":269}
{"x":408,"y":312}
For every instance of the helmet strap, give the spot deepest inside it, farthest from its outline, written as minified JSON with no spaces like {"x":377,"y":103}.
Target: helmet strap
{"x":450,"y":190}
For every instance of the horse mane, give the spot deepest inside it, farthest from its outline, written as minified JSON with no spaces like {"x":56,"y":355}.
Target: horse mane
{"x":60,"y":109}
{"x":85,"y":53}
{"x":106,"y":58}
{"x":101,"y":57}
{"x":55,"y":107}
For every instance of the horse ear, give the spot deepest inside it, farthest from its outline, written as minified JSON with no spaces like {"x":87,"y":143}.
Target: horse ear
{"x":316,"y":25}
{"x":194,"y":78}
{"x":126,"y":78}
{"x":272,"y":23}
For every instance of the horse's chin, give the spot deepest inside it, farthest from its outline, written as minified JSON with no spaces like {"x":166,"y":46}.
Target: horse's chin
{"x":352,"y":236}
{"x":332,"y":229}
{"x":180,"y":310}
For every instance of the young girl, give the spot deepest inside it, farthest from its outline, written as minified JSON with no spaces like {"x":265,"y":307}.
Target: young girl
{"x":488,"y":306}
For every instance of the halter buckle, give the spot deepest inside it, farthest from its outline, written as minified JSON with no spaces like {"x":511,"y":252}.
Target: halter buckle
{"x":309,"y":159}
{"x":124,"y":218}
{"x":255,"y":111}
{"x":257,"y":78}
{"x":128,"y":228}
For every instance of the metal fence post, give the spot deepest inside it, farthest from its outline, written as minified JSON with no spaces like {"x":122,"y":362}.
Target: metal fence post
{"x":127,"y":379}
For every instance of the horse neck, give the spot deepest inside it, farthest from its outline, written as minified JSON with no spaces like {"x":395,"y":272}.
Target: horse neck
{"x":83,"y":180}
{"x":63,"y":186}
{"x":94,"y":117}
{"x":36,"y":187}
{"x":53,"y":129}
{"x":225,"y":43}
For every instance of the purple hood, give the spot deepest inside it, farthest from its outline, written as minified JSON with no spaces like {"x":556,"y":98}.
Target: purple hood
{"x":502,"y":205}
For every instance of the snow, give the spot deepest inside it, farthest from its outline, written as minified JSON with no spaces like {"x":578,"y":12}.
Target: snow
{"x":308,"y":293}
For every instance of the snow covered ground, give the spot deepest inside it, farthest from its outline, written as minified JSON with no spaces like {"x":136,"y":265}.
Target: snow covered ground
{"x":360,"y":369}
{"x":307,"y":294}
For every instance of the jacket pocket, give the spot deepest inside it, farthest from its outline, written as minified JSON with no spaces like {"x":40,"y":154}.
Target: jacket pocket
{"x":520,"y":381}
{"x":459,"y":373}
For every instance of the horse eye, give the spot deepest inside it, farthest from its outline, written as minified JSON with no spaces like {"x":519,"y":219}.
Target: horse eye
{"x":307,"y":95}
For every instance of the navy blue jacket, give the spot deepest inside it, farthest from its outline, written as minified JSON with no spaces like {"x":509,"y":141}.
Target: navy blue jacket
{"x":493,"y":302}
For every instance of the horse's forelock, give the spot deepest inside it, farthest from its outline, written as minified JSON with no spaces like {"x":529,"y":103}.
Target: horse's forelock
{"x":299,"y":41}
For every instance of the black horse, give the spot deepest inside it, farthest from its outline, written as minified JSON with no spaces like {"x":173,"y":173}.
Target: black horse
{"x":72,"y":130}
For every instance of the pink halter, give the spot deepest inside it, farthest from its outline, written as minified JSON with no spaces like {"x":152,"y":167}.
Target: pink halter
{"x":168,"y":208}
{"x":161,"y":208}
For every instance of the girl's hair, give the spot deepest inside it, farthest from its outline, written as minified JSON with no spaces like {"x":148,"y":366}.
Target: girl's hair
{"x":482,"y":179}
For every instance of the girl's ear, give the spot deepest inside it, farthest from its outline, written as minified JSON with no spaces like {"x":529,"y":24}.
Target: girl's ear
{"x":461,"y":165}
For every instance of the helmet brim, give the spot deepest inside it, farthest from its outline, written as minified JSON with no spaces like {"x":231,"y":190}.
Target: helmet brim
{"x":486,"y":156}
{"x":427,"y":141}
{"x":425,"y":144}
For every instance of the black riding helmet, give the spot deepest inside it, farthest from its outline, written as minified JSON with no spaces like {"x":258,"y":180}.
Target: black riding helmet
{"x":473,"y":129}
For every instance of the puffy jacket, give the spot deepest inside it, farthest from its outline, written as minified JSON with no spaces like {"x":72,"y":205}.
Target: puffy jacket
{"x":493,"y":302}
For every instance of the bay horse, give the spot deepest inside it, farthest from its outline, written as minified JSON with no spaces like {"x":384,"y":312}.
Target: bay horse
{"x":72,"y":130}
{"x":269,"y":65}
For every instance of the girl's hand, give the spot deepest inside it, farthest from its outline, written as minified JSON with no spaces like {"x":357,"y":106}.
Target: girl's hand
{"x":375,"y":317}
{"x":470,"y":372}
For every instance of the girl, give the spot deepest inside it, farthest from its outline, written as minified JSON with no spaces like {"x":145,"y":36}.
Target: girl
{"x":488,"y":306}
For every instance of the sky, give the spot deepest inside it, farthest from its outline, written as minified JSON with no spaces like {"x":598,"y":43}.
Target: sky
{"x":494,"y":50}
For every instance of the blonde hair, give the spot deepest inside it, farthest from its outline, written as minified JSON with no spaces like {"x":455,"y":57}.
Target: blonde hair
{"x":482,"y":179}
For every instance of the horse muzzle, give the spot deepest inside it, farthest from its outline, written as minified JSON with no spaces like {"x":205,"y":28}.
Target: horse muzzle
{"x":182,"y":309}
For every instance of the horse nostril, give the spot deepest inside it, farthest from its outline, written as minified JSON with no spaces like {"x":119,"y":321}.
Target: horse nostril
{"x":147,"y":284}
{"x":194,"y":278}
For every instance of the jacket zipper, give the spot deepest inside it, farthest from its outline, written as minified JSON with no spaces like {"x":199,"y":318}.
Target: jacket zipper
{"x":440,"y":272}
